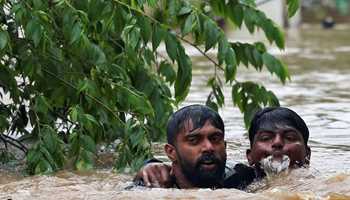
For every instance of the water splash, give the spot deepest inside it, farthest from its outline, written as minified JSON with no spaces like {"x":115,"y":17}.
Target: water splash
{"x":273,"y":166}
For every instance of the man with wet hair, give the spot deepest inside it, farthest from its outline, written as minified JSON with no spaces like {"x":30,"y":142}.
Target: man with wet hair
{"x":196,"y":148}
{"x":276,"y":134}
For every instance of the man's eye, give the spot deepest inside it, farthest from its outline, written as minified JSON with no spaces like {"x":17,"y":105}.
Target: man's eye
{"x":265,"y":137}
{"x":216,"y":138}
{"x":291,"y":137}
{"x":192,"y":140}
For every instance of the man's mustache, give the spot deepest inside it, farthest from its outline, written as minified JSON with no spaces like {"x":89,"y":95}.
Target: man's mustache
{"x":208,"y":158}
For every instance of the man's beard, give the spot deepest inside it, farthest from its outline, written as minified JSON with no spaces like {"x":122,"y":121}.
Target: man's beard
{"x":199,"y":176}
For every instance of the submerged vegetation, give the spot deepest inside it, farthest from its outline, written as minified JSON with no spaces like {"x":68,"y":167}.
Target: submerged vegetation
{"x":87,"y":72}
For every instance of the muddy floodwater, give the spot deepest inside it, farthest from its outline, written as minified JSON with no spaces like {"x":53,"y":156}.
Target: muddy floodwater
{"x":319,"y":64}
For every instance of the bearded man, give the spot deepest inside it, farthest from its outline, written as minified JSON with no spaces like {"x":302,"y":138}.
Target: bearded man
{"x":196,"y":148}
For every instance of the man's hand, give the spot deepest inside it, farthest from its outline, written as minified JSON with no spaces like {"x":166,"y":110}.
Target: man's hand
{"x":155,"y":175}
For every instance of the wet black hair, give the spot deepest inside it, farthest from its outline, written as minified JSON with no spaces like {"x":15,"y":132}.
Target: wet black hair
{"x":274,"y":116}
{"x":198,"y":114}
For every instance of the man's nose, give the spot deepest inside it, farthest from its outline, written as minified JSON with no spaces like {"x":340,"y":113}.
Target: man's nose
{"x":277,"y":142}
{"x":207,"y":146}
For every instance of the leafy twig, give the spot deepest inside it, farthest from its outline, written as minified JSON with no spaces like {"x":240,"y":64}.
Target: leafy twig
{"x":7,"y":139}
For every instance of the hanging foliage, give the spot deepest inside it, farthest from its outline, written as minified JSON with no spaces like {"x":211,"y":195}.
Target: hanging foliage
{"x":78,"y":73}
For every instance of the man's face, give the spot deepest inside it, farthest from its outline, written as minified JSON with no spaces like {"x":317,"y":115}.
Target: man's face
{"x":201,"y":154}
{"x":278,"y":141}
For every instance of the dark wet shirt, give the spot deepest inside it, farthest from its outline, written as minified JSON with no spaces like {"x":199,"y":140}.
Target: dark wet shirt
{"x":238,"y":177}
{"x":241,"y":175}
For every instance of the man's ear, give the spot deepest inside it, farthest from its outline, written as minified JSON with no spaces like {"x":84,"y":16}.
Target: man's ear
{"x":249,"y":156}
{"x":170,"y":152}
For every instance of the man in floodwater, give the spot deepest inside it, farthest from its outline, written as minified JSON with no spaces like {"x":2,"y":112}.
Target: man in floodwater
{"x":196,"y":148}
{"x":276,"y":135}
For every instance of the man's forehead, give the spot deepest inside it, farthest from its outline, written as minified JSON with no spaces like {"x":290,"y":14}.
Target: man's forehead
{"x":188,"y":127}
{"x":275,"y":127}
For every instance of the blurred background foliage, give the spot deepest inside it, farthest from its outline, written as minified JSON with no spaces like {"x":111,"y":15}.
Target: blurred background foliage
{"x":317,"y":10}
{"x":75,"y":74}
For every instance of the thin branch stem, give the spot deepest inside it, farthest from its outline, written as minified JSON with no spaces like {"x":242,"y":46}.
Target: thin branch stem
{"x":13,"y":142}
{"x":179,"y":37}
{"x":202,"y":52}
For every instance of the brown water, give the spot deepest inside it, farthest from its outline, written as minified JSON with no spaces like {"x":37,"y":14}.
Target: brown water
{"x":319,"y":63}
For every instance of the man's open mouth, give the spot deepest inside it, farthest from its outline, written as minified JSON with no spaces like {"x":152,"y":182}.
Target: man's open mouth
{"x":208,"y":164}
{"x":277,"y":156}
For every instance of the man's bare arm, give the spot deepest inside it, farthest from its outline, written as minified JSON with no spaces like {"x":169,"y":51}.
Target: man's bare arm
{"x":155,"y":174}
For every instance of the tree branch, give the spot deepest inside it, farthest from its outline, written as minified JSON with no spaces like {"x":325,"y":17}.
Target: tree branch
{"x":13,"y":142}
{"x":178,"y":36}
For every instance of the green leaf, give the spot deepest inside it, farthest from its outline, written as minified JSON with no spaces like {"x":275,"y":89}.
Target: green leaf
{"x":275,"y":66}
{"x":75,"y":112}
{"x":293,"y":6}
{"x":58,"y":2}
{"x":260,"y":47}
{"x":149,"y":57}
{"x":146,"y":27}
{"x":157,"y":36}
{"x":43,"y":167}
{"x":96,"y":54}
{"x":4,"y":124}
{"x":250,"y":19}
{"x":91,"y":119}
{"x":41,"y":105}
{"x":4,"y":39}
{"x":49,"y":139}
{"x":171,"y":46}
{"x":231,"y":65}
{"x":74,"y":141}
{"x":48,"y":156}
{"x":236,"y":14}
{"x":249,"y":2}
{"x":278,"y":37}
{"x":134,"y":101}
{"x":88,"y":86}
{"x":189,"y":24}
{"x":185,"y":10}
{"x":167,"y":70}
{"x":132,"y":35}
{"x":236,"y":97}
{"x":152,"y":3}
{"x":88,"y":143}
{"x":240,"y":52}
{"x":257,"y":59}
{"x":85,"y":162}
{"x":219,"y":96}
{"x":273,"y":100}
{"x":34,"y":31}
{"x":222,"y":51}
{"x":211,"y":34}
{"x":76,"y":33}
{"x":184,"y":76}
{"x":33,"y":157}
{"x":211,"y":104}
{"x":38,"y":4}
